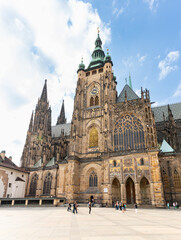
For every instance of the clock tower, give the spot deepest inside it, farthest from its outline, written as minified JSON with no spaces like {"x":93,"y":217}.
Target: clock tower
{"x":95,"y":93}
{"x":90,"y":127}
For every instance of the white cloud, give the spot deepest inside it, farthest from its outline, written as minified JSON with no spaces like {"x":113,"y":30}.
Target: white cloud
{"x":41,"y":40}
{"x":167,"y":65}
{"x":141,"y":59}
{"x":128,"y":62}
{"x":117,"y":9}
{"x":178,"y":91}
{"x":138,"y":92}
{"x":152,"y":4}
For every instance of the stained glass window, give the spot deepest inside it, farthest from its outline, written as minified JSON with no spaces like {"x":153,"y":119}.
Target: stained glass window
{"x":128,"y":134}
{"x":93,"y":179}
{"x":47,"y":184}
{"x":33,"y":185}
{"x":176,"y":179}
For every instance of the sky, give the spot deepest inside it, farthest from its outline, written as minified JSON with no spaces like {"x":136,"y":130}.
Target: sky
{"x":46,"y":40}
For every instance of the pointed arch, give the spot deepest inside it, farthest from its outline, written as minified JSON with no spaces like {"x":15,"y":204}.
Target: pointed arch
{"x":176,"y":179}
{"x":93,"y":180}
{"x":128,"y":133}
{"x":33,"y":185}
{"x":165,"y":179}
{"x":47,"y":184}
{"x":145,"y":191}
{"x":96,"y":100}
{"x":91,"y":101}
{"x":116,"y":190}
{"x":130,"y":191}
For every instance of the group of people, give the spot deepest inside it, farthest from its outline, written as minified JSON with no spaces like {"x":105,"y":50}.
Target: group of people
{"x":175,"y":205}
{"x":75,"y":207}
{"x":122,"y":207}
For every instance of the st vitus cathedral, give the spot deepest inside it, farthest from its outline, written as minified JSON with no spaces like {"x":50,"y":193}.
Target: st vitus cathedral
{"x":116,"y":148}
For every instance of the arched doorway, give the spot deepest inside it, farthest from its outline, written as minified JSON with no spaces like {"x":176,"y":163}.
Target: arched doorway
{"x":116,"y":191}
{"x":145,"y":191}
{"x":130,"y":191}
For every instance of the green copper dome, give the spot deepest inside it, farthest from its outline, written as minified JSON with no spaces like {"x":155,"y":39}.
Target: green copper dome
{"x":97,"y":55}
{"x":81,"y":65}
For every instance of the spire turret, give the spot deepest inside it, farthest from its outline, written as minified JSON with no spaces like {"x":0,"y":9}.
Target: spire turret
{"x":130,"y":83}
{"x":81,"y":65}
{"x":43,"y":97}
{"x":98,"y":54}
{"x":61,"y":119}
{"x":31,"y":123}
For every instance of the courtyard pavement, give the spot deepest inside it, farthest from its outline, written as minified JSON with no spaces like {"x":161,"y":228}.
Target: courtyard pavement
{"x":53,"y":223}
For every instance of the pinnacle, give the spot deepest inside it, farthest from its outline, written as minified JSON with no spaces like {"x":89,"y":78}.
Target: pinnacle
{"x":44,"y":92}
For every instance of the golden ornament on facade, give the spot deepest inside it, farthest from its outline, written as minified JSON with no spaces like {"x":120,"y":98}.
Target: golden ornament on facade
{"x":93,"y":138}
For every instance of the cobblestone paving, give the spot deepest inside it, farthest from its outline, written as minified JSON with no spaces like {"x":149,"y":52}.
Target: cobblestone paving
{"x":22,"y":223}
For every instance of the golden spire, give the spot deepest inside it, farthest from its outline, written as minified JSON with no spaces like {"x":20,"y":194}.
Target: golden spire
{"x":98,"y":30}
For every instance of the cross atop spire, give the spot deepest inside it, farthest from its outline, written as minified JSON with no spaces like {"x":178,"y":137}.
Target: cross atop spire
{"x":43,"y":97}
{"x":61,"y":119}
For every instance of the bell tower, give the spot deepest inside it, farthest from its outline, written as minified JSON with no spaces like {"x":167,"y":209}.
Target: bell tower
{"x":95,"y":92}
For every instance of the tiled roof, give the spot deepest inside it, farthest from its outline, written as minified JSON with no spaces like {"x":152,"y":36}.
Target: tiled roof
{"x":165,"y":147}
{"x":175,"y":108}
{"x":130,"y":94}
{"x":6,"y":162}
{"x":56,"y":130}
{"x":51,"y":162}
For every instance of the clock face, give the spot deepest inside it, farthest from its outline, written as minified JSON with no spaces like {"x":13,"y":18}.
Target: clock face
{"x":94,"y":91}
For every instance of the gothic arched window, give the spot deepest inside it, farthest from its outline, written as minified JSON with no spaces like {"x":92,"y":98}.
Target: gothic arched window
{"x":165,"y":179}
{"x":93,"y":180}
{"x":96,"y":100}
{"x":114,"y":163}
{"x":141,"y":161}
{"x":93,"y":137}
{"x":91,"y":101}
{"x":47,"y":184}
{"x":176,"y":179}
{"x":33,"y":185}
{"x":128,"y":134}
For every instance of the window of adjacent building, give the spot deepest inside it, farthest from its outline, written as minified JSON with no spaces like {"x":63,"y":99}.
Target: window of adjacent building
{"x":11,"y":173}
{"x":94,"y":72}
{"x":114,"y":163}
{"x":10,"y":185}
{"x":93,"y":137}
{"x":176,"y":179}
{"x":101,"y":70}
{"x":22,"y":175}
{"x":93,"y":180}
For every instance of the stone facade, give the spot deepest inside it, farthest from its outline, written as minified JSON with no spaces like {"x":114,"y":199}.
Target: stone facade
{"x":108,"y":153}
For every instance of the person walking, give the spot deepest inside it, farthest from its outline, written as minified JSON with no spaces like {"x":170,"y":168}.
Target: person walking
{"x":136,"y":207}
{"x":74,"y":207}
{"x":90,"y":206}
{"x":69,"y":207}
{"x":168,"y":205}
{"x":123,"y":208}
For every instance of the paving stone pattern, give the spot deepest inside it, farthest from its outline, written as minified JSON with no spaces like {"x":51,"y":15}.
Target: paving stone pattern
{"x":49,"y":223}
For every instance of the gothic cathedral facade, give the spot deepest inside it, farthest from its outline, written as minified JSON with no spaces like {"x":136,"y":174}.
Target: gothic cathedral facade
{"x":108,"y":152}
